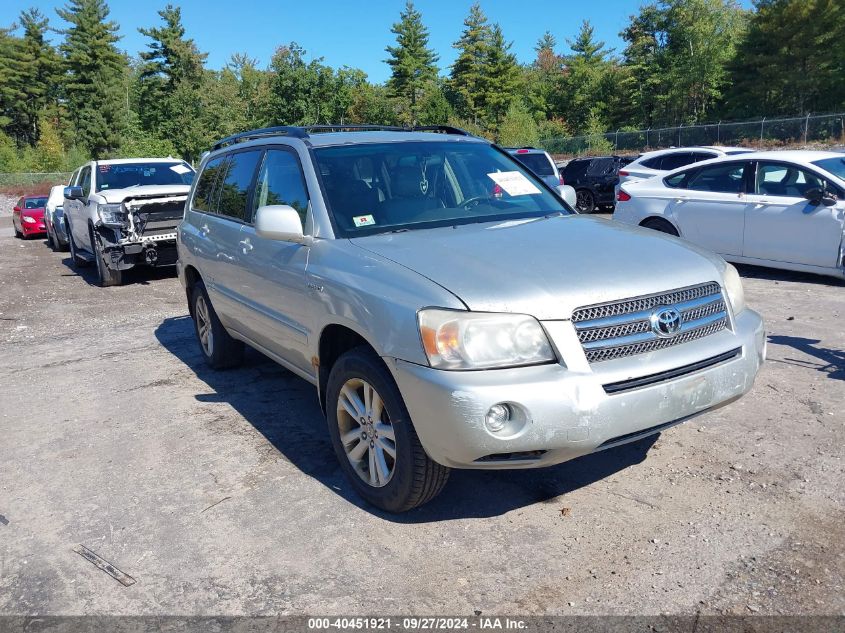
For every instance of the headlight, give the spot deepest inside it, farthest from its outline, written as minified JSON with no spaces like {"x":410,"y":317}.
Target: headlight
{"x":733,"y":286}
{"x":477,"y":340}
{"x":111,"y":214}
{"x":29,"y":219}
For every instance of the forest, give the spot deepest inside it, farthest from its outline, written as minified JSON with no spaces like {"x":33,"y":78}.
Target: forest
{"x":69,"y":94}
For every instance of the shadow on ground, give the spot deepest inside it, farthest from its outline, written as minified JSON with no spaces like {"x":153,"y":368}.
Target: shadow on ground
{"x":140,"y":275}
{"x":776,"y":275}
{"x":284,"y":408}
{"x":832,"y":362}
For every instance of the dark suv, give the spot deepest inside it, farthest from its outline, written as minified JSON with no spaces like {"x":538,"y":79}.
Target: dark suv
{"x":594,"y":180}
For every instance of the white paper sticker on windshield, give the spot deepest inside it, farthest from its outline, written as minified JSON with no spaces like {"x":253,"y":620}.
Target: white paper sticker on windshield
{"x":180,"y":169}
{"x":514,"y":183}
{"x":363,"y":220}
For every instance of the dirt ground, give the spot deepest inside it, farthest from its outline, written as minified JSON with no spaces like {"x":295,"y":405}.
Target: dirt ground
{"x":219,"y":493}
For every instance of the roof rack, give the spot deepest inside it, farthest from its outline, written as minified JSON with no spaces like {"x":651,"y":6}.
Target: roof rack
{"x":305,"y":131}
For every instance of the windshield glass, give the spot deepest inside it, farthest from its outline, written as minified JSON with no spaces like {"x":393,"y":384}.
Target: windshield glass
{"x":35,"y":203}
{"x":835,"y":166}
{"x":125,"y":175}
{"x":372,"y":188}
{"x":538,"y":163}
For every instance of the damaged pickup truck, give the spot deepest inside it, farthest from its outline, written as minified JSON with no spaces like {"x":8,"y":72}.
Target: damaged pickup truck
{"x":121,"y":213}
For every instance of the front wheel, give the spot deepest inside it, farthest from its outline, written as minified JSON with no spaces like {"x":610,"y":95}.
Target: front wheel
{"x":373,"y":436}
{"x":105,"y":275}
{"x":585,"y":201}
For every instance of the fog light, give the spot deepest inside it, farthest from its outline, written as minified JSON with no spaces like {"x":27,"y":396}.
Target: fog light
{"x":497,"y":417}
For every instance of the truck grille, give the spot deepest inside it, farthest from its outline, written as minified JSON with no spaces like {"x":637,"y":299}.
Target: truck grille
{"x":623,"y":328}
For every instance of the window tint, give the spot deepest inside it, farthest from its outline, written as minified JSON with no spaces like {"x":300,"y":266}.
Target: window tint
{"x":538,"y":163}
{"x":575,"y":169}
{"x":652,"y":163}
{"x":234,"y":190}
{"x":723,"y":178}
{"x":280,"y":181}
{"x":602,"y":166}
{"x":673,"y":161}
{"x":205,"y":198}
{"x":676,"y":180}
{"x":700,"y":156}
{"x":775,"y":179}
{"x":85,"y":180}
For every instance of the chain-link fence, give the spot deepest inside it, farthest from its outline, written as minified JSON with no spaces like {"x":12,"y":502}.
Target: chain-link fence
{"x":9,"y":179}
{"x":817,"y":128}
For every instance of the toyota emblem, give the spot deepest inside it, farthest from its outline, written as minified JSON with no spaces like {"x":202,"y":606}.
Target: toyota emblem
{"x":665,"y":321}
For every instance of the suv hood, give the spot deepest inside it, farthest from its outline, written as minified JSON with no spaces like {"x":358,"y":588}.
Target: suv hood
{"x":547,"y":267}
{"x":119,"y":195}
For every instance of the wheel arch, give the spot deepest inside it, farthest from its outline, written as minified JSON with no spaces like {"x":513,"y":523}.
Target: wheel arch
{"x":659,"y":219}
{"x":335,"y":340}
{"x":192,"y":276}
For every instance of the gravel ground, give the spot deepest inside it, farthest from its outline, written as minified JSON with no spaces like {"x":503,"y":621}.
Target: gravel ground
{"x":219,"y":493}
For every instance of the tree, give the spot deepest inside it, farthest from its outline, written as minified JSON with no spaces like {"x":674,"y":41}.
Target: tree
{"x":501,"y":81}
{"x":171,"y":78}
{"x":94,"y":71}
{"x":468,"y":75}
{"x":412,"y":62}
{"x":518,"y":128}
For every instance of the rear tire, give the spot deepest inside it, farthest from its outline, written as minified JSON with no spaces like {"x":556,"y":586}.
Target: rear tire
{"x":414,"y":478}
{"x":219,"y":348}
{"x":105,"y":276}
{"x":657,"y":224}
{"x":585,"y":201}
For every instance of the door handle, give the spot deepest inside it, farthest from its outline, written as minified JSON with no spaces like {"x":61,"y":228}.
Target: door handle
{"x":246,"y":245}
{"x":204,"y":230}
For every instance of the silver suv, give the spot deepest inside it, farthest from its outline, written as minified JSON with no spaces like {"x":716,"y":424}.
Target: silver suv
{"x":450,"y":308}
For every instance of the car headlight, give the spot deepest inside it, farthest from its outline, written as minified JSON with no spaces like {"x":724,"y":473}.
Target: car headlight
{"x":29,"y":219}
{"x":733,"y":286}
{"x":111,"y":214}
{"x":479,"y":340}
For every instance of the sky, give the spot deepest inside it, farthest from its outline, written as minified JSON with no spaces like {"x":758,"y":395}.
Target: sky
{"x":346,"y":32}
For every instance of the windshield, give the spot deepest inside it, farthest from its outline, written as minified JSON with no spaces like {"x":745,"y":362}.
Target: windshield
{"x":538,"y":163}
{"x":125,"y":175}
{"x":35,"y":203}
{"x":373,"y":188}
{"x":835,"y":166}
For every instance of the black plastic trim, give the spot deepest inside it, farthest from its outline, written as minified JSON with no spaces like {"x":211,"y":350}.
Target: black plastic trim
{"x":644,"y":381}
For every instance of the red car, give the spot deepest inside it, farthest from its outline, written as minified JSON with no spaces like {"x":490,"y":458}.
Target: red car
{"x":28,"y":216}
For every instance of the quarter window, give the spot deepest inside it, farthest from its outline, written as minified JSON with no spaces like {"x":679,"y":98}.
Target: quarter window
{"x":234,"y":191}
{"x":721,"y":178}
{"x":280,"y":181}
{"x":204,"y":196}
{"x":787,"y":181}
{"x":673,"y":161}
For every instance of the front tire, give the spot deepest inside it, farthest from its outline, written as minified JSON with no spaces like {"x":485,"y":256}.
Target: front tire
{"x":585,"y":201}
{"x":105,"y":275}
{"x":374,"y":438}
{"x":219,"y":349}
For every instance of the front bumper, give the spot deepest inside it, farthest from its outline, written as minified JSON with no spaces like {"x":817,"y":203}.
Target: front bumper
{"x":567,"y":412}
{"x":33,"y":228}
{"x":122,"y":253}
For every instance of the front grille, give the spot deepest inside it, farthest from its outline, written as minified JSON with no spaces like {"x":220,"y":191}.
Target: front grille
{"x":623,"y":328}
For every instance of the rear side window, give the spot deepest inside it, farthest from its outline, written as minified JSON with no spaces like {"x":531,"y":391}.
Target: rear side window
{"x":602,"y":167}
{"x":697,"y":157}
{"x":575,"y":169}
{"x":280,"y":181}
{"x":204,"y":196}
{"x":652,"y":163}
{"x":234,"y":188}
{"x":538,"y":163}
{"x":721,"y":178}
{"x":673,"y":161}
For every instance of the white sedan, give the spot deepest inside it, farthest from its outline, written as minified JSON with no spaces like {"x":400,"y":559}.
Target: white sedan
{"x":783,"y":209}
{"x":660,"y":162}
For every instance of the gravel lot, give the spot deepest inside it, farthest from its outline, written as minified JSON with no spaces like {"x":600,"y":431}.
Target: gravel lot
{"x":219,"y":493}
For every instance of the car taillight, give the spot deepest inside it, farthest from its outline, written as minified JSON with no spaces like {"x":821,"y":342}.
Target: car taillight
{"x":622,"y":172}
{"x":622,"y":196}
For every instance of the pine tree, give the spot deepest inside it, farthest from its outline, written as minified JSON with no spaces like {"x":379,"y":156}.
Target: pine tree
{"x":469,"y":72}
{"x":586,"y":47}
{"x":95,"y":72}
{"x":412,"y":62}
{"x":170,"y":85}
{"x":547,"y":60}
{"x":501,"y":81}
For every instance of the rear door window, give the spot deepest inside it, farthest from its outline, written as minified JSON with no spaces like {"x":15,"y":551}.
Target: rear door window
{"x":234,"y":188}
{"x":722,"y":178}
{"x":538,"y":163}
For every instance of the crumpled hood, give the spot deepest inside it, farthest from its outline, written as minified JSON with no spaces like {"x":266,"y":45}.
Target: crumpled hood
{"x":547,"y":267}
{"x":119,"y":195}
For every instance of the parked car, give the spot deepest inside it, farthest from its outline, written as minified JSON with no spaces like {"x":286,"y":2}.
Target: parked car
{"x":28,"y":216}
{"x":121,"y":213}
{"x":594,"y":180}
{"x":662,"y":161}
{"x":538,"y":161}
{"x":54,"y":219}
{"x":783,"y":209}
{"x":450,"y":308}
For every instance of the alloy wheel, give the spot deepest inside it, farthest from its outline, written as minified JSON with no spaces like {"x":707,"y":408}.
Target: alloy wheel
{"x":366,"y":432}
{"x":204,"y":326}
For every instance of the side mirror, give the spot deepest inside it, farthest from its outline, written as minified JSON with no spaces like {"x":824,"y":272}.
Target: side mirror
{"x":74,"y":193}
{"x":279,"y":222}
{"x":568,"y":194}
{"x":817,"y":196}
